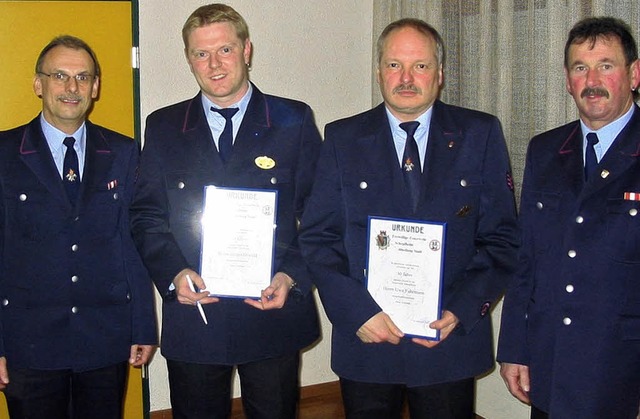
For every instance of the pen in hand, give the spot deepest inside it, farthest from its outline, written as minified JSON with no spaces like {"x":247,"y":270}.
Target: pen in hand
{"x":200,"y":309}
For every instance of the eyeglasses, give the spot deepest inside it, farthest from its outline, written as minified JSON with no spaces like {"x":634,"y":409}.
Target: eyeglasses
{"x":63,"y":78}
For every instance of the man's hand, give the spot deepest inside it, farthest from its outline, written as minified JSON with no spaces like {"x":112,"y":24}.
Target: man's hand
{"x":184,"y":293}
{"x":4,"y":374}
{"x":275,"y":295}
{"x":516,"y":377}
{"x":446,"y":324}
{"x":380,"y":328}
{"x":140,"y":354}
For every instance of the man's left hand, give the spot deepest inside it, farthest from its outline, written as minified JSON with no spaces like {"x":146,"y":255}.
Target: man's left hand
{"x":446,"y":324}
{"x":275,"y":295}
{"x":140,"y":354}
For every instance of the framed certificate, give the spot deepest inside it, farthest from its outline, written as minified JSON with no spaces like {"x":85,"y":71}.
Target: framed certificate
{"x":238,"y":234}
{"x":404,"y":272}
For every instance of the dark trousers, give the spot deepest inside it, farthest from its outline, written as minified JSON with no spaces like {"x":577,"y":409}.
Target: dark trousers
{"x":64,"y":394}
{"x":452,"y":400}
{"x":270,"y":389}
{"x":538,"y":414}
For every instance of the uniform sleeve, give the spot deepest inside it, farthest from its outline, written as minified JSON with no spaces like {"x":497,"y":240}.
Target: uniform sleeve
{"x":496,"y":238}
{"x":346,"y":300}
{"x":512,"y":346}
{"x":143,"y":318}
{"x":310,"y":143}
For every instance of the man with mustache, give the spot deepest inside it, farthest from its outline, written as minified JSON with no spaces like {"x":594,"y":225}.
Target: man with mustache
{"x":464,"y":180}
{"x":76,"y":300}
{"x":570,"y":336}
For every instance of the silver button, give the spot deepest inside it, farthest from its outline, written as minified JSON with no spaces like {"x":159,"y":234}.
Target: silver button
{"x":604,"y":174}
{"x":463,"y":183}
{"x":115,"y":196}
{"x":566,"y":321}
{"x":579,"y":219}
{"x":363,"y":185}
{"x":128,"y":296}
{"x":5,"y":302}
{"x":274,"y":180}
{"x":74,"y":310}
{"x":539,"y":205}
{"x":633,"y":212}
{"x":569,"y":288}
{"x":74,"y":248}
{"x":572,"y":253}
{"x":74,"y":278}
{"x":23,"y":197}
{"x":180,"y":185}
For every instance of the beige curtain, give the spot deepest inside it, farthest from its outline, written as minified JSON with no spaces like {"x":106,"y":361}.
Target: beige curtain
{"x":505,"y":57}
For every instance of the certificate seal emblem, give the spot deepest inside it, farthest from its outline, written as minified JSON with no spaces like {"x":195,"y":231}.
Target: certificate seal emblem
{"x":382,"y":240}
{"x":434,"y":245}
{"x":265,"y":162}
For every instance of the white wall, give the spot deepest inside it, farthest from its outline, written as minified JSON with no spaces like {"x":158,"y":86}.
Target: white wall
{"x":317,"y":51}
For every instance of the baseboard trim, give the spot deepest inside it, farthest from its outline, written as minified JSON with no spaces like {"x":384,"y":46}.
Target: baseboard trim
{"x":308,"y":394}
{"x":316,"y":401}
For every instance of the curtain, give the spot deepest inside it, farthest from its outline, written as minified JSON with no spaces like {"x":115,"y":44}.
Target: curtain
{"x":505,"y":57}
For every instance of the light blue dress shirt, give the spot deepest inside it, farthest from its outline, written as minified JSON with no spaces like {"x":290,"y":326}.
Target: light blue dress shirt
{"x":217,"y":121}
{"x":421,"y":135}
{"x":55,"y":139}
{"x":606,"y":135}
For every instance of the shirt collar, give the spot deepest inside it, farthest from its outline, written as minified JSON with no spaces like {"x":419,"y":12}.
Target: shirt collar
{"x":55,"y":137}
{"x":421,"y":132}
{"x":242,"y":104}
{"x":608,"y":133}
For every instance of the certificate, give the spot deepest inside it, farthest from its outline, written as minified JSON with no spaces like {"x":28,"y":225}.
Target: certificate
{"x":404,"y":272}
{"x":238,"y":233}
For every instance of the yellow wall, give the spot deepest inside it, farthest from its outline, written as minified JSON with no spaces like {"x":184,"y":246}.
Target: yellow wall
{"x":107,"y":27}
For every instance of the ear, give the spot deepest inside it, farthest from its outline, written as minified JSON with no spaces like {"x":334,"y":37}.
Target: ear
{"x":95,"y":88}
{"x":440,"y":75}
{"x":37,"y":85}
{"x":247,"y":52}
{"x":567,"y":82}
{"x":635,"y":75}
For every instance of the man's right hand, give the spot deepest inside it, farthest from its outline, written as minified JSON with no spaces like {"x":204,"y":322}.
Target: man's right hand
{"x":516,"y":377}
{"x":380,"y":328}
{"x":4,"y":374}
{"x":184,"y":293}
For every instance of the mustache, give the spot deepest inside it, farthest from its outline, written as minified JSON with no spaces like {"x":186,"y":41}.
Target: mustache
{"x":594,"y":91}
{"x":70,"y":97}
{"x":406,"y":87}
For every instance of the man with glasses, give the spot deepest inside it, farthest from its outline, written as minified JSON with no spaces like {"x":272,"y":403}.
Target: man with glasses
{"x":76,"y":301}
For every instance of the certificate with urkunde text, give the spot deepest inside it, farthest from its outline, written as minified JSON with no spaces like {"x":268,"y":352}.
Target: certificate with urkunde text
{"x":238,"y":233}
{"x":404,"y":272}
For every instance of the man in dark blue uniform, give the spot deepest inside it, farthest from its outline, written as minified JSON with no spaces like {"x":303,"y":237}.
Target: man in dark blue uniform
{"x":463,"y":180}
{"x":77,"y":303}
{"x":229,"y":135}
{"x":570,"y":336}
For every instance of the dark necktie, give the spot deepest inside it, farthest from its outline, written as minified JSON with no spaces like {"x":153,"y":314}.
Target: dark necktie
{"x":590,"y":159}
{"x":411,"y":169}
{"x":70,"y":170}
{"x":225,"y":142}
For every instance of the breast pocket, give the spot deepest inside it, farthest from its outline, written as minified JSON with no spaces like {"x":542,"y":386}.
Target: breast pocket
{"x":543,"y":212}
{"x":623,"y":230}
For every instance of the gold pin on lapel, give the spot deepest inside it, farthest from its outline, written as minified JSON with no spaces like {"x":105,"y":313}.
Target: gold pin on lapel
{"x":265,"y":162}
